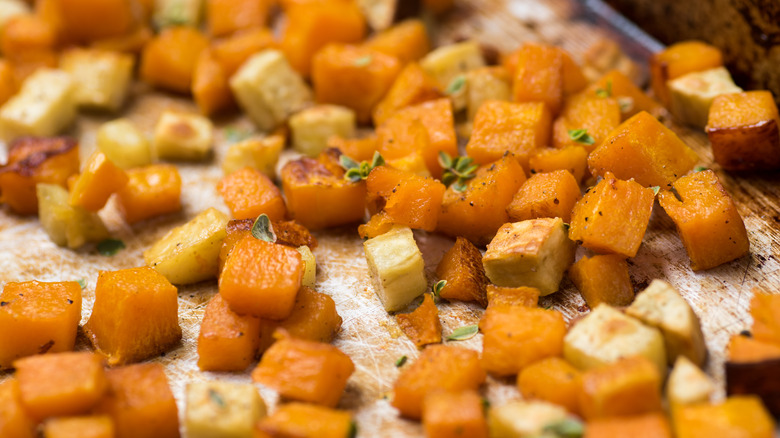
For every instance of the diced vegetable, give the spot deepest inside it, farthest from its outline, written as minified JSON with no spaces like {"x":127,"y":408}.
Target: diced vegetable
{"x":88,"y":20}
{"x":170,"y":13}
{"x":44,"y":106}
{"x":181,"y":136}
{"x":359,"y":149}
{"x":8,"y":86}
{"x":512,"y":296}
{"x":380,"y":14}
{"x":225,"y":17}
{"x":571,"y":158}
{"x":648,"y":425}
{"x":408,"y":40}
{"x":603,"y":279}
{"x":248,"y":193}
{"x":102,"y":78}
{"x":741,"y":416}
{"x":300,"y":419}
{"x":150,"y":191}
{"x":485,"y":84}
{"x":14,"y":421}
{"x":406,"y":198}
{"x":553,"y":380}
{"x":124,"y":144}
{"x":692,"y":94}
{"x":92,"y":426}
{"x":310,"y":266}
{"x":232,"y":52}
{"x":210,"y":86}
{"x":539,"y":76}
{"x":422,"y":325}
{"x":680,"y":59}
{"x":261,"y":154}
{"x":598,"y":116}
{"x":411,"y":87}
{"x":98,"y":180}
{"x":688,"y":384}
{"x":633,"y":100}
{"x":65,"y":224}
{"x":452,"y":414}
{"x":461,"y":268}
{"x":396,"y":267}
{"x":630,"y":386}
{"x":448,"y":66}
{"x":168,"y":60}
{"x":227,"y":341}
{"x":545,"y":195}
{"x":765,"y":310}
{"x":312,"y":127}
{"x":222,"y":409}
{"x":520,"y":418}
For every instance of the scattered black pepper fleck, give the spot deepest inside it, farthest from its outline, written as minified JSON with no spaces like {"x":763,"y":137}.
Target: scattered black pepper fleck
{"x":4,"y":303}
{"x":70,"y":301}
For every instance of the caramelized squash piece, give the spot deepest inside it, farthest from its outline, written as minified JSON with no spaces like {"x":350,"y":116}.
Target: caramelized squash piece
{"x":150,"y":191}
{"x":744,"y":349}
{"x":8,"y":86}
{"x":644,"y":149}
{"x":461,"y":267}
{"x":135,"y":315}
{"x":545,"y":195}
{"x":306,"y":371}
{"x":603,"y":279}
{"x":29,"y":40}
{"x":571,"y":158}
{"x":408,"y":41}
{"x":597,"y":115}
{"x":545,"y":74}
{"x":88,"y":20}
{"x":14,"y":420}
{"x":359,"y":149}
{"x":451,"y":414}
{"x":612,"y":217}
{"x":553,"y":380}
{"x":498,"y":296}
{"x":248,"y":193}
{"x":169,"y":60}
{"x":680,"y":59}
{"x":133,"y":42}
{"x":406,"y":198}
{"x":653,"y":425}
{"x":765,"y":308}
{"x":227,"y":341}
{"x":232,"y":52}
{"x":707,"y":220}
{"x":93,"y":426}
{"x":411,"y":87}
{"x":210,"y":86}
{"x":61,"y":384}
{"x":736,"y":417}
{"x":743,"y":129}
{"x":225,"y":17}
{"x":36,"y":318}
{"x":630,"y":386}
{"x":379,"y":224}
{"x":439,"y":368}
{"x":96,"y":182}
{"x":750,"y":366}
{"x":305,"y":420}
{"x":631,"y":98}
{"x":422,"y":325}
{"x":288,"y":233}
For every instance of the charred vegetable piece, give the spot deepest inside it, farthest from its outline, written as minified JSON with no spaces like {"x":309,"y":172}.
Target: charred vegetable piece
{"x":422,"y":325}
{"x":461,"y":269}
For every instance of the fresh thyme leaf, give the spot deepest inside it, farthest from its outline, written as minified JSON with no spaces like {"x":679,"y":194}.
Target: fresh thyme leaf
{"x":348,"y":163}
{"x":457,"y":171}
{"x":216,"y":398}
{"x":567,"y":428}
{"x":401,"y":361}
{"x":82,"y":282}
{"x":353,"y":175}
{"x":700,"y":168}
{"x":263,"y":230}
{"x":110,"y":247}
{"x":353,"y":430}
{"x":445,"y":161}
{"x":463,"y":333}
{"x":358,"y":171}
{"x":377,"y":160}
{"x":363,"y":61}
{"x":456,"y":85}
{"x":438,"y":287}
{"x":460,"y":186}
{"x":656,"y":189}
{"x":581,"y":136}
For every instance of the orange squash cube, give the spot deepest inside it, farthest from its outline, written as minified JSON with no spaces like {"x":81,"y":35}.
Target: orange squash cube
{"x":210,"y":87}
{"x":169,"y":59}
{"x":743,"y":130}
{"x":32,"y":161}
{"x":359,"y":149}
{"x":14,"y":421}
{"x":379,"y":224}
{"x":268,"y":292}
{"x":439,"y":368}
{"x":765,"y":308}
{"x":353,"y":76}
{"x":408,"y":41}
{"x":36,"y":318}
{"x":150,"y":191}
{"x":28,"y":38}
{"x":630,"y":386}
{"x":312,"y":26}
{"x":132,"y":42}
{"x":135,"y":315}
{"x":61,"y":384}
{"x":597,"y":115}
{"x":422,"y":325}
{"x":501,"y":127}
{"x":248,"y":193}
{"x":96,"y":426}
{"x":539,"y":76}
{"x":319,"y":197}
{"x":305,"y":371}
{"x":553,"y":380}
{"x":612,"y":217}
{"x":707,"y":220}
{"x":227,"y":341}
{"x":517,"y":336}
{"x":574,"y":79}
{"x":639,"y":426}
{"x":412,"y":86}
{"x":96,"y":182}
{"x":680,"y":59}
{"x":644,"y":149}
{"x":8,"y":86}
{"x":498,"y":296}
{"x":545,"y":195}
{"x":461,"y":267}
{"x":88,"y":20}
{"x":744,"y":349}
{"x":408,"y":199}
{"x":454,"y":414}
{"x":140,"y":402}
{"x":232,"y":52}
{"x":479,"y":212}
{"x":603,"y":279}
{"x":305,"y":420}
{"x":225,"y":17}
{"x":571,"y":158}
{"x":618,"y":86}
{"x":736,"y":417}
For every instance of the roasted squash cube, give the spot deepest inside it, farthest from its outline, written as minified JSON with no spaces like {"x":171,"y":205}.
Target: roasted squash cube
{"x":512,"y":296}
{"x":44,"y":106}
{"x":102,"y":78}
{"x":227,"y":341}
{"x":411,"y":87}
{"x":140,"y":402}
{"x":169,"y":59}
{"x":232,"y":52}
{"x":261,"y":154}
{"x":422,"y":325}
{"x":448,"y":66}
{"x":545,"y":195}
{"x":10,"y":9}
{"x":396,"y":266}
{"x":749,"y":368}
{"x":181,"y":136}
{"x":461,"y":268}
{"x":98,"y":180}
{"x":631,"y":98}
{"x":743,"y":130}
{"x":37,"y":318}
{"x":680,"y":59}
{"x":408,"y":40}
{"x":654,"y":425}
{"x":305,"y":371}
{"x":132,"y":43}
{"x":612,"y":217}
{"x":692,"y":94}
{"x":65,"y":224}
{"x":764,"y":308}
{"x":93,"y":426}
{"x":210,"y":85}
{"x":603,"y":279}
{"x":739,"y":416}
{"x":306,"y":420}
{"x":744,"y":349}
{"x":630,"y":386}
{"x":359,"y":149}
{"x":248,"y":193}
{"x":517,"y":336}
{"x":644,"y":149}
{"x":225,"y":17}
{"x":598,"y":116}
{"x":707,"y":220}
{"x":408,"y":199}
{"x":87,"y":20}
{"x":150,"y":191}
{"x":135,"y":315}
{"x":539,"y":76}
{"x":8,"y":86}
{"x":311,"y":128}
{"x":450,"y":414}
{"x":124,"y":144}
{"x":553,"y":380}
{"x":61,"y":384}
{"x":14,"y":421}
{"x":222,"y":409}
{"x":571,"y":158}
{"x":439,"y":368}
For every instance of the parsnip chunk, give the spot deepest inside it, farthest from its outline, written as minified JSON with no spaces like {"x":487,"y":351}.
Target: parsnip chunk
{"x":396,"y":267}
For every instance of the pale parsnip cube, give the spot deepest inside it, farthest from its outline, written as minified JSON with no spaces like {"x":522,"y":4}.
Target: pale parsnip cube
{"x":169,"y":13}
{"x":44,"y":106}
{"x":189,"y":253}
{"x":692,"y":94}
{"x":661,"y":306}
{"x":606,"y":335}
{"x":688,"y":384}
{"x":269,"y":90}
{"x":10,"y":9}
{"x":102,"y":77}
{"x":488,"y":83}
{"x":309,"y":266}
{"x":65,"y":224}
{"x":261,"y":154}
{"x":180,"y":136}
{"x":533,"y":253}
{"x":381,"y":14}
{"x":312,"y":127}
{"x":396,"y":267}
{"x":222,"y":410}
{"x":524,"y":419}
{"x":448,"y":65}
{"x":124,"y":144}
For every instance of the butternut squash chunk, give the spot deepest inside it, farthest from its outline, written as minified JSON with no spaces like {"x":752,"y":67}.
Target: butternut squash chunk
{"x":571,"y":158}
{"x":603,"y":279}
{"x":88,"y":20}
{"x":288,"y":233}
{"x":97,"y":181}
{"x":135,"y":315}
{"x":553,"y":380}
{"x":140,"y":402}
{"x":743,"y":129}
{"x":736,"y":417}
{"x":461,"y":268}
{"x":14,"y":421}
{"x":61,"y":384}
{"x":406,"y":198}
{"x":408,"y":41}
{"x":29,"y":39}
{"x":379,"y":224}
{"x":597,"y":115}
{"x":680,"y":59}
{"x":248,"y":193}
{"x":210,"y":86}
{"x":36,"y":318}
{"x":612,"y":217}
{"x":233,"y":51}
{"x":765,"y":308}
{"x":451,"y":414}
{"x":8,"y":84}
{"x":545,"y":195}
{"x":630,"y":386}
{"x":633,"y":100}
{"x":169,"y":59}
{"x":227,"y":341}
{"x":745,"y":349}
{"x":305,"y":371}
{"x":439,"y":368}
{"x":150,"y":191}
{"x":225,"y":17}
{"x":132,"y":43}
{"x":512,"y":296}
{"x":644,"y":149}
{"x":359,"y":149}
{"x":94,"y":426}
{"x":305,"y":420}
{"x":707,"y":220}
{"x":638,"y":426}
{"x":411,"y":87}
{"x":422,"y":325}
{"x":750,"y":366}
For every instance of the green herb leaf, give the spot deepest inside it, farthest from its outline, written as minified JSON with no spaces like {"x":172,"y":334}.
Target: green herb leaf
{"x":456,"y":85}
{"x":460,"y":186}
{"x":353,"y":175}
{"x":357,"y":171}
{"x":700,"y":168}
{"x":436,"y":290}
{"x":263,"y":230}
{"x":485,"y":404}
{"x":82,"y":282}
{"x":656,"y":189}
{"x":581,"y":136}
{"x":601,"y":92}
{"x":348,"y":163}
{"x":110,"y":247}
{"x":377,"y":160}
{"x":445,"y":161}
{"x":401,"y":361}
{"x":567,"y":428}
{"x":216,"y":398}
{"x":463,"y":333}
{"x":457,"y":171}
{"x":235,"y":135}
{"x":353,"y":430}
{"x":363,"y":61}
